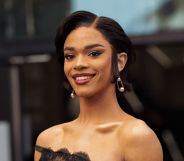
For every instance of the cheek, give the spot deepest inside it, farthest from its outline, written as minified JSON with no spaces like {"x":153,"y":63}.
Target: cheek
{"x":66,"y":69}
{"x":105,"y":67}
{"x":66,"y":72}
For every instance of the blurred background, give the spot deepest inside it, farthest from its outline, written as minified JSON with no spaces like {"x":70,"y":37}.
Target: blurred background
{"x":32,"y":97}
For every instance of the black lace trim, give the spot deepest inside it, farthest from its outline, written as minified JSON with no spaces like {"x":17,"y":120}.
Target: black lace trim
{"x":61,"y":155}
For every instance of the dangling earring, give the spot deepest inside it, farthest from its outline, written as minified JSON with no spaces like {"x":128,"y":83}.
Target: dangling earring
{"x":120,"y":84}
{"x":72,"y":95}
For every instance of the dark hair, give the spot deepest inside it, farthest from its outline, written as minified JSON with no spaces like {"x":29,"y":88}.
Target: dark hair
{"x":109,"y":28}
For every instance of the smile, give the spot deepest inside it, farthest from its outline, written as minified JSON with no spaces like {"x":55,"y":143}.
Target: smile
{"x":82,"y":78}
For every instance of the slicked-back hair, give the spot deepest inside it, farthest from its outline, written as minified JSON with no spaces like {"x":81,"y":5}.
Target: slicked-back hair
{"x":111,"y":31}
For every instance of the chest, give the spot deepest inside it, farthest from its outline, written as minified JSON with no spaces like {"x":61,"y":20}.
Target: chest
{"x":99,"y":146}
{"x":101,"y":143}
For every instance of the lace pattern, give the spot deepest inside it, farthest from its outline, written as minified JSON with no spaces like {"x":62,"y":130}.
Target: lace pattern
{"x":61,"y":155}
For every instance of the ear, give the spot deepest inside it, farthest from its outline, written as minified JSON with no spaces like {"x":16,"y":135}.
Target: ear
{"x":122,"y":59}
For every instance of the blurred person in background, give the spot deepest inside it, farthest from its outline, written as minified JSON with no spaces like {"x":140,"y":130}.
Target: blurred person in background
{"x":96,"y":54}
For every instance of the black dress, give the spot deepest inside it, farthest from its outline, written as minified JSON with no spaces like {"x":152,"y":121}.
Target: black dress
{"x":63,"y":154}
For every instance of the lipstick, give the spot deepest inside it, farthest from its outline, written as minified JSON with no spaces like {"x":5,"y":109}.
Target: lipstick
{"x":82,"y":78}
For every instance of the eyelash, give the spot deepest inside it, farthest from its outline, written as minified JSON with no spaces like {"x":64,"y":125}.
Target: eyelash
{"x":94,"y":53}
{"x":91,"y":54}
{"x":69,"y":56}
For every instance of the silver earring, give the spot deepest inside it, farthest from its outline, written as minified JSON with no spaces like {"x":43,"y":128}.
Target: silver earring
{"x":120,"y":85}
{"x":72,"y":95}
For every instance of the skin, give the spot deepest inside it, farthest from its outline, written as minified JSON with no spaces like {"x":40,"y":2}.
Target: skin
{"x":102,"y":130}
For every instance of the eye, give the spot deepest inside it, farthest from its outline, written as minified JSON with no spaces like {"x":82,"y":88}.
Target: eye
{"x":69,"y":56}
{"x":94,"y":53}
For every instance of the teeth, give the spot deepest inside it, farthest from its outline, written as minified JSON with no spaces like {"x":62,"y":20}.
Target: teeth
{"x":83,"y":78}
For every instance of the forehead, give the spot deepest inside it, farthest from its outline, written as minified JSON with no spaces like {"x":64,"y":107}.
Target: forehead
{"x":83,"y":36}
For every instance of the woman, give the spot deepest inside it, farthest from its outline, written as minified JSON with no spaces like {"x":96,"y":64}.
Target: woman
{"x":96,"y":53}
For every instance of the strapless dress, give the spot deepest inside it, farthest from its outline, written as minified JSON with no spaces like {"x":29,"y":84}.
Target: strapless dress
{"x":47,"y":154}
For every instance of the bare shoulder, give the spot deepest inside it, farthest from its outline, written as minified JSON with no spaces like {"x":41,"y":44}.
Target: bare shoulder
{"x":136,"y":128}
{"x":139,"y":141}
{"x":46,"y":137}
{"x":49,"y":138}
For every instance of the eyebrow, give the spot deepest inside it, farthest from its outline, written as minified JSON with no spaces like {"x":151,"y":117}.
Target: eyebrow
{"x":85,"y":48}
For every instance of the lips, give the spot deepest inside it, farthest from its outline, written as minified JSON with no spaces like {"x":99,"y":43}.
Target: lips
{"x":82,"y":78}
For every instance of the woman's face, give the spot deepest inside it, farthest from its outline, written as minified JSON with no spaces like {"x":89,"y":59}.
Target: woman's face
{"x":87,"y":64}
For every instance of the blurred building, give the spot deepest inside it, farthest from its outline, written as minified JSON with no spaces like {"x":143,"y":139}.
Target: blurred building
{"x":32,"y":97}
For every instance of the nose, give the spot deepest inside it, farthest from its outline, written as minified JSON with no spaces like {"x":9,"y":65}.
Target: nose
{"x":80,"y":63}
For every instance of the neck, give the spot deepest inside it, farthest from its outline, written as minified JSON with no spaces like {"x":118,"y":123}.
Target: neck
{"x":101,"y":108}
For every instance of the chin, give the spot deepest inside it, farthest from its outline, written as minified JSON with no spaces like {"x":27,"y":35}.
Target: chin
{"x":85,"y":93}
